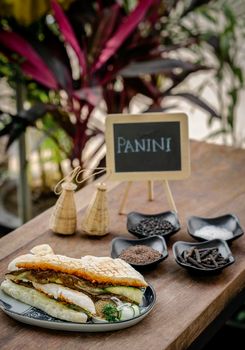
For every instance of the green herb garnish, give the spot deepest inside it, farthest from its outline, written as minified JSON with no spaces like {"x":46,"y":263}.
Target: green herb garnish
{"x":110,"y":312}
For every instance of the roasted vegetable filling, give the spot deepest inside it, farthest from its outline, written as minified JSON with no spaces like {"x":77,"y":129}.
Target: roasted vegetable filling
{"x":95,"y":291}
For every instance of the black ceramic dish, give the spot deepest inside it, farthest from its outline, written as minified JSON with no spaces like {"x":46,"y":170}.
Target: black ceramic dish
{"x":134,"y":218}
{"x":230,"y":222}
{"x":156,"y":242}
{"x":222,"y":246}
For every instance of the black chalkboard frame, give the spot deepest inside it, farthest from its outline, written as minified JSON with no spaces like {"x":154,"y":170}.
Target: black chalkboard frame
{"x":181,"y":118}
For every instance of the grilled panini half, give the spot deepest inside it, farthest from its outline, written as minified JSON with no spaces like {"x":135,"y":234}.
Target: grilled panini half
{"x":76,"y":284}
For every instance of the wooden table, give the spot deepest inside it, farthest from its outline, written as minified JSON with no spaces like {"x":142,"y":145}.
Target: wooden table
{"x":188,"y":308}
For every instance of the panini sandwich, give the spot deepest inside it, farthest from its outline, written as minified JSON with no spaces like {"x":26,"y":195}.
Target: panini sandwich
{"x":72,"y":289}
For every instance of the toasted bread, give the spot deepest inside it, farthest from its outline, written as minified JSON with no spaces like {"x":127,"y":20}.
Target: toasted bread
{"x":42,"y":249}
{"x":102,"y":270}
{"x":39,"y":300}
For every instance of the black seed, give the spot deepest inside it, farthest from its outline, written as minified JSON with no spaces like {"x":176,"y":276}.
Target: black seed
{"x":154,"y":226}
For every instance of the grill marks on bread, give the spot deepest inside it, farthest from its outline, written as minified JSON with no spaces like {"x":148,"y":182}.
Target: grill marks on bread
{"x":103,"y":270}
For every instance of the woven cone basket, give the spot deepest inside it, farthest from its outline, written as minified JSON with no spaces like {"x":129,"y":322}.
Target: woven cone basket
{"x":96,"y":220}
{"x":64,"y":217}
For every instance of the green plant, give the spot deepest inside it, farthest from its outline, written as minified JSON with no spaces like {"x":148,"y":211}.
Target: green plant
{"x":220,"y":27}
{"x":101,"y":55}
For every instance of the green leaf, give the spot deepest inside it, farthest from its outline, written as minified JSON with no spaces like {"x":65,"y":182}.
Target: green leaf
{"x":230,"y":113}
{"x":217,"y":133}
{"x":210,"y":121}
{"x":230,"y":118}
{"x":233,"y":94}
{"x":24,"y":119}
{"x":199,"y":102}
{"x":129,"y":5}
{"x":224,"y":47}
{"x":208,"y":15}
{"x":193,"y":5}
{"x":158,"y":66}
{"x":241,"y":316}
{"x":229,"y":14}
{"x":238,"y":73}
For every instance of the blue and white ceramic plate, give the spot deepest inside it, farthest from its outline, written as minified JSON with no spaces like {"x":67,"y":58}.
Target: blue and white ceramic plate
{"x":35,"y":317}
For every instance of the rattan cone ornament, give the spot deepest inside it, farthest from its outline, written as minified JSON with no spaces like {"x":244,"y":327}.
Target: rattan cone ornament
{"x":64,"y":217}
{"x":96,"y":220}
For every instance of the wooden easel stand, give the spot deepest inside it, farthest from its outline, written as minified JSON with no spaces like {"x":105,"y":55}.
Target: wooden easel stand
{"x":150,"y":184}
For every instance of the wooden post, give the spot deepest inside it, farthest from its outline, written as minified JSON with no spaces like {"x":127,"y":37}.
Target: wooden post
{"x":125,"y":196}
{"x":169,"y":195}
{"x":150,"y":190}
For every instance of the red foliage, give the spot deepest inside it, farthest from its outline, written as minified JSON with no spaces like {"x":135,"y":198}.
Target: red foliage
{"x":109,"y":44}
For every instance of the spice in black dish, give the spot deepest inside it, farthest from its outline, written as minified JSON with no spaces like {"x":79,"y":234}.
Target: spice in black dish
{"x":154,"y":226}
{"x":212,"y":232}
{"x":140,"y":254}
{"x":205,"y":258}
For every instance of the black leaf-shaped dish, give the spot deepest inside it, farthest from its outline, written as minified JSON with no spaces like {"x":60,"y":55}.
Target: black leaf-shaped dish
{"x":223,"y":248}
{"x":155,"y":242}
{"x":134,"y":219}
{"x":228,"y":222}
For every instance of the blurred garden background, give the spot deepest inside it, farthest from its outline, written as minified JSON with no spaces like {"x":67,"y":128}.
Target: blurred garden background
{"x":66,"y":64}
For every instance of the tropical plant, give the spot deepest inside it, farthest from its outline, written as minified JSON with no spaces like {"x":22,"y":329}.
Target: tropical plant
{"x":97,"y":58}
{"x":221,"y":26}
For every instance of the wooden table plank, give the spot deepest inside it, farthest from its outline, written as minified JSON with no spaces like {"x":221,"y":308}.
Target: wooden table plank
{"x":185,"y":304}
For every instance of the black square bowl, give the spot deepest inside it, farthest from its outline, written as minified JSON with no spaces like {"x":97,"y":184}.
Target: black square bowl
{"x":223,"y":248}
{"x":229,"y":221}
{"x":156,"y":242}
{"x":134,"y":218}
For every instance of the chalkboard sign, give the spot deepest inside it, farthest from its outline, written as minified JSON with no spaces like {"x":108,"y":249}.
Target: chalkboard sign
{"x":147,"y":146}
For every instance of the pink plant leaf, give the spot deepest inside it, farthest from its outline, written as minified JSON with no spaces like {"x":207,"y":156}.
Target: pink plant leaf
{"x":68,"y":33}
{"x":34,"y":65}
{"x":37,"y":75}
{"x":125,"y":29}
{"x":92,"y":95}
{"x":107,"y":22}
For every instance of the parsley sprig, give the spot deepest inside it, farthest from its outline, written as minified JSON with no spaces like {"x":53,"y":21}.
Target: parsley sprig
{"x":110,"y":312}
